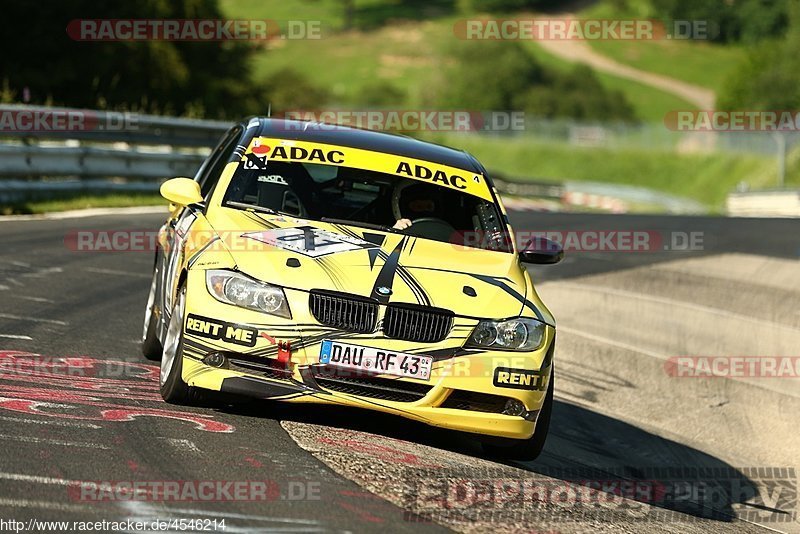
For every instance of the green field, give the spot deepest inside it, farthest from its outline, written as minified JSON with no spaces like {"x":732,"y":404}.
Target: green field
{"x":706,"y":178}
{"x":404,"y":54}
{"x":704,"y":64}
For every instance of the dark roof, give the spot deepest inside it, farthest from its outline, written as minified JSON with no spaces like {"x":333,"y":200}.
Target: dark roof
{"x":400,"y":145}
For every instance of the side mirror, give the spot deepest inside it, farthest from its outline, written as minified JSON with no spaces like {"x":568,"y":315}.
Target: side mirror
{"x":542,"y":251}
{"x":182,"y":191}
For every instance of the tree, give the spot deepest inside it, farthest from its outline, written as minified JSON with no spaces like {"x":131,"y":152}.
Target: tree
{"x":769,"y":77}
{"x":210,"y":78}
{"x":502,"y":76}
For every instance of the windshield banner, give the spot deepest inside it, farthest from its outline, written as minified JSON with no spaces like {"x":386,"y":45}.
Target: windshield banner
{"x":263,"y":149}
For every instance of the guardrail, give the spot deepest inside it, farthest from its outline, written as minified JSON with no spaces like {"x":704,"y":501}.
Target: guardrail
{"x":768,"y":203}
{"x":47,"y":152}
{"x":108,"y":126}
{"x":139,"y":149}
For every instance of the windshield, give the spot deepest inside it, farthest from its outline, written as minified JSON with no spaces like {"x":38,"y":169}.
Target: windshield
{"x":348,"y":195}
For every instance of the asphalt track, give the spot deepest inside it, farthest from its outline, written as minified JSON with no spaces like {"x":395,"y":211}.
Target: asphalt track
{"x":620,"y":417}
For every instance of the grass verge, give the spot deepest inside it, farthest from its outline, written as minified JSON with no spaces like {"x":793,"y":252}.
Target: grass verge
{"x":81,"y":202}
{"x":706,"y":178}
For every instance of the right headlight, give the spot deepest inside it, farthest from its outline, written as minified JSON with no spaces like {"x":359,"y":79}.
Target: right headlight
{"x":520,"y":334}
{"x":235,"y":288}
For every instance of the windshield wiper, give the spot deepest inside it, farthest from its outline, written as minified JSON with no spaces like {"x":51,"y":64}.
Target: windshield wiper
{"x":371,"y":226}
{"x":254,"y":207}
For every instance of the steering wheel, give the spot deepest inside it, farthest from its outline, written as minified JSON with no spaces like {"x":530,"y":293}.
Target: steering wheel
{"x":431,"y":228}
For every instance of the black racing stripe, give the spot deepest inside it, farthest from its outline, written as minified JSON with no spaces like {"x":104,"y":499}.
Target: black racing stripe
{"x":453,"y":271}
{"x":386,"y":275}
{"x":379,"y":239}
{"x":303,"y":342}
{"x":411,"y":282}
{"x":263,"y":388}
{"x":267,"y":223}
{"x":416,"y":287}
{"x":511,"y":291}
{"x":331,"y":272}
{"x":202,"y":346}
{"x":196,"y":255}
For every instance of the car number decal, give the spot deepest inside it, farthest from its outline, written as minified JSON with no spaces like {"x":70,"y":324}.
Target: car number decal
{"x":310,"y":241}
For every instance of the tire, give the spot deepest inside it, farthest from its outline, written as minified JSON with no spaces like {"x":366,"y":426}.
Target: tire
{"x":526,"y":449}
{"x":173,"y":389}
{"x":151,"y":346}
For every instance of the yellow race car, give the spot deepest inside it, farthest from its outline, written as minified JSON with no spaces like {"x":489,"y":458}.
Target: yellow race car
{"x":322,"y":264}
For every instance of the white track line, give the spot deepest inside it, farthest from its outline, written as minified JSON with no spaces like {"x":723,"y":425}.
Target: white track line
{"x":614,"y":343}
{"x":16,"y":336}
{"x":119,"y":273}
{"x":32,"y":319}
{"x":41,"y":273}
{"x":32,"y":439}
{"x":184,"y":445}
{"x":44,"y":505}
{"x":661,"y":356}
{"x":34,"y":299}
{"x":137,"y":508}
{"x":74,"y":424}
{"x":49,"y":481}
{"x":672,"y":302}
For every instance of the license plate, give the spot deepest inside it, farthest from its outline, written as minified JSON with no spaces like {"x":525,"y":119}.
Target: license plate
{"x":375,"y":360}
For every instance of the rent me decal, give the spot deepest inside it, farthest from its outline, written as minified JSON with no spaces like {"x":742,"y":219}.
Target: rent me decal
{"x":228,"y":332}
{"x":505,"y":377}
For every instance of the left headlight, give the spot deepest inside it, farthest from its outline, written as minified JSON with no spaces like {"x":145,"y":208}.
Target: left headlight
{"x":520,"y":334}
{"x":235,"y":288}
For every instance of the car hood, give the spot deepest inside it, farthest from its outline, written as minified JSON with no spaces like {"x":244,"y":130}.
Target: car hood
{"x":389,"y":267}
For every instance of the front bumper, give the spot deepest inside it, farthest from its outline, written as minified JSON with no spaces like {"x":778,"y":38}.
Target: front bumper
{"x":462,"y":394}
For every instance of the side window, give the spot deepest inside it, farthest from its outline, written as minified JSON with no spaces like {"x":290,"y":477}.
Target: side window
{"x":209,"y":173}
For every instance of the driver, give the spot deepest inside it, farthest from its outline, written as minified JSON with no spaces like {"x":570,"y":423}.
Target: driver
{"x":413,"y":201}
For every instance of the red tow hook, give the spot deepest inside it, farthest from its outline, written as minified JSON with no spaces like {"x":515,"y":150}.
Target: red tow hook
{"x":284,"y":348}
{"x":284,"y":352}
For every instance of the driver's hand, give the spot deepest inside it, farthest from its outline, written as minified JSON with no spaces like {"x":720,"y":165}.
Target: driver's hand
{"x":402,"y":224}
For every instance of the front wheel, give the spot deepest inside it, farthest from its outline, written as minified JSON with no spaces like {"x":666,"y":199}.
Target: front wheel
{"x":526,"y":449}
{"x":173,"y":389}
{"x":151,"y":346}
